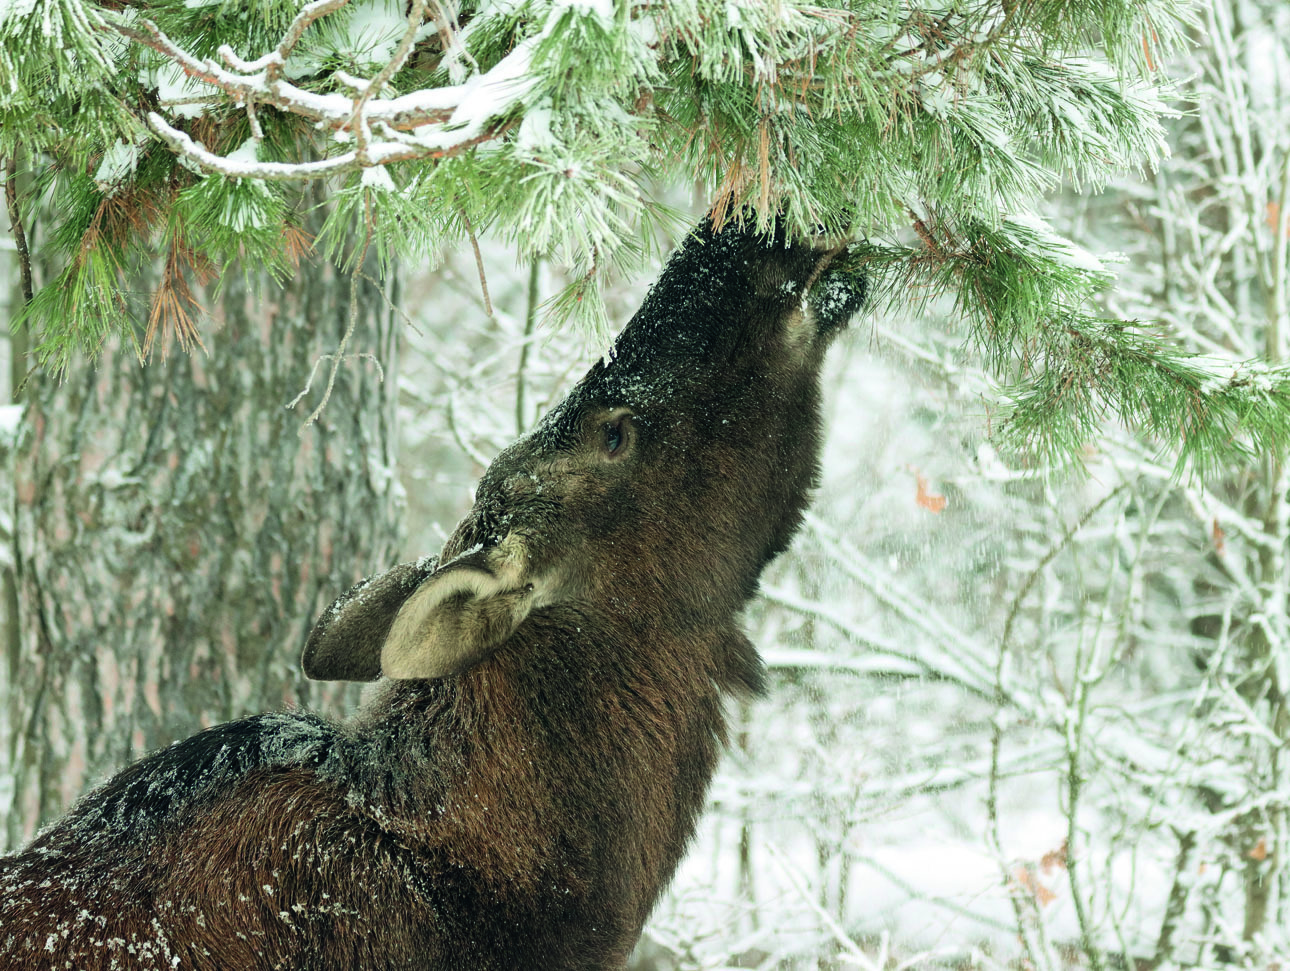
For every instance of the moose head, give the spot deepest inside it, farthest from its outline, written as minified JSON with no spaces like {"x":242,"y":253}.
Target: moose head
{"x":656,"y":491}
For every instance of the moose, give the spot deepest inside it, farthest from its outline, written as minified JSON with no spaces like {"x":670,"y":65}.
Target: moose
{"x":519,"y":788}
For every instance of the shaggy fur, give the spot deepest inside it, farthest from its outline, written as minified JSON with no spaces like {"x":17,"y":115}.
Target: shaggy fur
{"x":522,"y":784}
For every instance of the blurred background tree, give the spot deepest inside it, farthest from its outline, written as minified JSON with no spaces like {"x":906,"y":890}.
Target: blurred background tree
{"x":171,"y":534}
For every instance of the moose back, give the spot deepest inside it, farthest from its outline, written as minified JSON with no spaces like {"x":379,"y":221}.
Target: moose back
{"x":521,"y":786}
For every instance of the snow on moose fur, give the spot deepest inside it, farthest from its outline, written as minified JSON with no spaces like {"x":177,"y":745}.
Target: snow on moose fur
{"x":522,"y":784}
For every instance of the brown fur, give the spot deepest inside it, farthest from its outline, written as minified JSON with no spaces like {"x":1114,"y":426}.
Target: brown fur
{"x":521,"y":792}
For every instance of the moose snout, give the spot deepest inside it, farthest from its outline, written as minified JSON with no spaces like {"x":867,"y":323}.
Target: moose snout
{"x":792,"y":267}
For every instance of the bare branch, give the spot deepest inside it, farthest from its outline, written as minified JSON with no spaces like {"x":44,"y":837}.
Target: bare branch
{"x":530,"y":320}
{"x":339,"y":356}
{"x":15,"y":224}
{"x":838,"y":933}
{"x":479,"y":264}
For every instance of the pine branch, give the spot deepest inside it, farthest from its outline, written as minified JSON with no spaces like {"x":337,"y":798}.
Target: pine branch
{"x":184,"y":146}
{"x":932,"y":132}
{"x":260,"y":82}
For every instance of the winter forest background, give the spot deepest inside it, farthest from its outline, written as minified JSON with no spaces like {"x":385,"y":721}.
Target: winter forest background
{"x":1022,"y":713}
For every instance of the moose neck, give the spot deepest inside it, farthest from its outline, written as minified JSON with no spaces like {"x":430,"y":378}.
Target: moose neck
{"x":510,"y":739}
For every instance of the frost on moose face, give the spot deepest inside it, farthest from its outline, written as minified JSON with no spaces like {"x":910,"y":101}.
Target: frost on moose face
{"x":667,"y":477}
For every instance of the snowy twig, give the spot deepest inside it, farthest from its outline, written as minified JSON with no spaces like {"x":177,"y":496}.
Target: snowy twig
{"x":1029,"y":582}
{"x":183,"y":145}
{"x":1176,"y":903}
{"x":914,"y":893}
{"x":1036,"y":943}
{"x":911,"y":664}
{"x":271,"y":64}
{"x":239,"y":87}
{"x":431,"y":123}
{"x":416,"y":14}
{"x":475,"y":454}
{"x":339,"y":355}
{"x":318,"y":361}
{"x":838,"y":933}
{"x":1037,"y":946}
{"x":1075,"y":730}
{"x":963,"y":650}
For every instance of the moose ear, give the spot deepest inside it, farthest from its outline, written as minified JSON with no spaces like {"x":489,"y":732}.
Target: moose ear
{"x":345,"y":644}
{"x":458,"y":617}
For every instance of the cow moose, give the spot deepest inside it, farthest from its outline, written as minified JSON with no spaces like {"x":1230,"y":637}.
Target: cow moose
{"x":519,"y":788}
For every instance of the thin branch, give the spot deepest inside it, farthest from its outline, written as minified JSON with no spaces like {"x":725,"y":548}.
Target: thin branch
{"x":280,"y":94}
{"x":1034,"y":574}
{"x":391,"y":306}
{"x":1176,"y":903}
{"x":915,"y":664}
{"x":384,"y":153}
{"x":15,"y":224}
{"x":530,"y":320}
{"x":254,"y":121}
{"x":466,"y":447}
{"x":271,"y":64}
{"x":1038,"y":950}
{"x":339,"y":355}
{"x":915,"y":894}
{"x":416,"y":15}
{"x":963,"y":650}
{"x":479,"y":264}
{"x":416,"y":111}
{"x":182,"y":144}
{"x":836,"y":931}
{"x":1074,"y":790}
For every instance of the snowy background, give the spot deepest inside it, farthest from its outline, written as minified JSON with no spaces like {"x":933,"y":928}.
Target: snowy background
{"x":850,"y":822}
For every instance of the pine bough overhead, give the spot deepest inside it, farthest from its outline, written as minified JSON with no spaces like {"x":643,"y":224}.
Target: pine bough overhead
{"x":929,"y":132}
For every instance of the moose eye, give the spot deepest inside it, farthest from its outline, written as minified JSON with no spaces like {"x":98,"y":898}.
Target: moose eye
{"x":616,"y":437}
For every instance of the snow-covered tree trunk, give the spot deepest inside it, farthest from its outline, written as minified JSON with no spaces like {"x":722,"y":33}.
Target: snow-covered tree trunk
{"x":177,"y":533}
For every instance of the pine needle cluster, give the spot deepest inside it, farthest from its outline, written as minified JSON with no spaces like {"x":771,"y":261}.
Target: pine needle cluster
{"x":927,"y":131}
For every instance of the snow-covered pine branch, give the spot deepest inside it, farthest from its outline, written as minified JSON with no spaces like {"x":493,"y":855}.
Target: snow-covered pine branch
{"x":931,"y":133}
{"x":432,"y":123}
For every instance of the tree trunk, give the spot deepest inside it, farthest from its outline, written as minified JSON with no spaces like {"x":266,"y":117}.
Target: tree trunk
{"x":177,"y":535}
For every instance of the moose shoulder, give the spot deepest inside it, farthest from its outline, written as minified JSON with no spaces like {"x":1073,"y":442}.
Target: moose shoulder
{"x":521,"y":786}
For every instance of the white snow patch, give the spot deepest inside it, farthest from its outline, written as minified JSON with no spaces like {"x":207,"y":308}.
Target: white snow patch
{"x":246,"y":152}
{"x":16,"y":9}
{"x":535,"y":130}
{"x":604,"y":9}
{"x":936,"y":94}
{"x":10,"y":416}
{"x":119,"y":160}
{"x":374,"y":30}
{"x":1060,"y":246}
{"x":645,"y":30}
{"x":176,"y":91}
{"x":474,"y":102}
{"x":487,"y":95}
{"x":378,"y":177}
